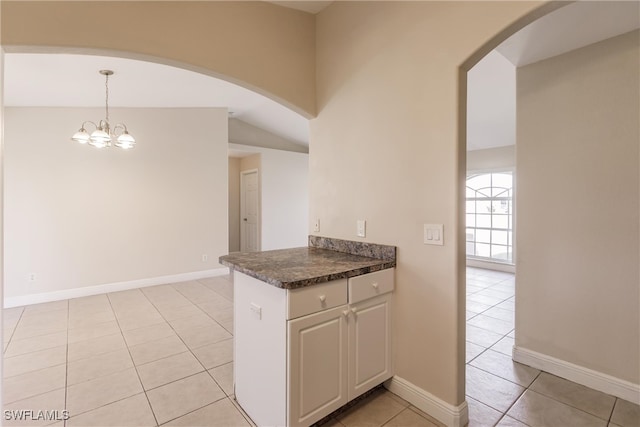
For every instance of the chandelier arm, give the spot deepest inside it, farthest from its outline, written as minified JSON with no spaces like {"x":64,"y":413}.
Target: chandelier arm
{"x":121,"y":126}
{"x":89,"y":121}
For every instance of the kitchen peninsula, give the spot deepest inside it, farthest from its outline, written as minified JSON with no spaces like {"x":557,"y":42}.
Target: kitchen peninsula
{"x":312,"y":327}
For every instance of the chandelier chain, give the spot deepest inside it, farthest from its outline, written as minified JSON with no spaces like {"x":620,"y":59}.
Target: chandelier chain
{"x":106,"y":102}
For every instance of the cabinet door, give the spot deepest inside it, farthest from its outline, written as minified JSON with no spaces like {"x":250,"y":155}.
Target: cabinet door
{"x":370,"y":344}
{"x":317,"y":365}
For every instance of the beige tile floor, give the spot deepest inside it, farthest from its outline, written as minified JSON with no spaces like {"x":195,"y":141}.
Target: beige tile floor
{"x":163,"y":356}
{"x":505,"y":393}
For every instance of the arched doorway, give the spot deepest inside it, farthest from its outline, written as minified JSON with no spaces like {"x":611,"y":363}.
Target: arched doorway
{"x":559,"y":364}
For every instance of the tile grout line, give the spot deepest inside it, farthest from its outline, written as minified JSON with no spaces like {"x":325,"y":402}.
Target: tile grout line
{"x":132,"y":361}
{"x":13,"y":331}
{"x":190,"y":351}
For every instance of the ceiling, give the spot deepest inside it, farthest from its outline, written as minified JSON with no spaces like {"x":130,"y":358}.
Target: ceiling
{"x":74,"y":81}
{"x":571,"y":27}
{"x":65,"y":80}
{"x":491,"y":84}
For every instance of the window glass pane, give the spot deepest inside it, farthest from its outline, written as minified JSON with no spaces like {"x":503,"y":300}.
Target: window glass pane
{"x":499,"y":192}
{"x":502,"y":180}
{"x":471,"y":193}
{"x":471,"y":220}
{"x":479,"y":181}
{"x":501,"y":221}
{"x":483,"y":220}
{"x":483,"y":206}
{"x":500,"y":206}
{"x":499,"y":252}
{"x":483,"y":250}
{"x":471,"y":206}
{"x":471,"y":234}
{"x":499,"y":237}
{"x":470,"y":249}
{"x":483,"y":236}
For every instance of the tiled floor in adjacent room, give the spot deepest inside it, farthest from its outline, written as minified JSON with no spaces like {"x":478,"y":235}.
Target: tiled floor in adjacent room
{"x":163,"y":356}
{"x":511,"y":394}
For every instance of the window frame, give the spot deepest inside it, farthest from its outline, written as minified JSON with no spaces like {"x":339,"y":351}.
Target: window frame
{"x":510,"y":244}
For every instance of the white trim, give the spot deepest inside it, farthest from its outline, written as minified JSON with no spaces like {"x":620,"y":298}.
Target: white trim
{"x":110,"y":287}
{"x":596,"y":380}
{"x":453,"y":416}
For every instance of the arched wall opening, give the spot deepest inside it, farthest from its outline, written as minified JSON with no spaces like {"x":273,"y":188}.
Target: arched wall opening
{"x":549,"y":267}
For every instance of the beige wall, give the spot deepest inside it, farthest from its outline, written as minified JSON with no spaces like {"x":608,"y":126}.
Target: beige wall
{"x":234,"y":204}
{"x":384,"y":148}
{"x":578,"y":278}
{"x":284,"y":195}
{"x":250,"y":162}
{"x":491,"y":159}
{"x":76,"y":216}
{"x":229,"y":39}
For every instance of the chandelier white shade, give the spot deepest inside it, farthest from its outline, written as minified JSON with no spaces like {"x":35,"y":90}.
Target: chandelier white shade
{"x":104,"y":135}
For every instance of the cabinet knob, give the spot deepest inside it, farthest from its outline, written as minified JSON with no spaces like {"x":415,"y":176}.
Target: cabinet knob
{"x":375,"y":285}
{"x":354,"y":310}
{"x":345,"y":313}
{"x":322,"y":298}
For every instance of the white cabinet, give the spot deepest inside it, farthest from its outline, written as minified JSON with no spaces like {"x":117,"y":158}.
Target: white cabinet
{"x":369,"y":344}
{"x":318,"y":365}
{"x":333,"y":343}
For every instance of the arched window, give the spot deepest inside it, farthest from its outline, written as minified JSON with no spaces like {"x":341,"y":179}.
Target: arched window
{"x":490,"y":216}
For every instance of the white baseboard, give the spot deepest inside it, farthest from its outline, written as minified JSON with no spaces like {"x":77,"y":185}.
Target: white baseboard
{"x":110,"y":287}
{"x":596,"y":380}
{"x":453,"y":416}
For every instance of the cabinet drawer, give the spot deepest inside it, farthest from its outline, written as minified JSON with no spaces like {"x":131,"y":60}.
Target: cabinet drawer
{"x":370,"y":285}
{"x":314,"y":298}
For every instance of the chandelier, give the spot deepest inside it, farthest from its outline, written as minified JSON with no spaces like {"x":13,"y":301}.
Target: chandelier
{"x":104,"y":134}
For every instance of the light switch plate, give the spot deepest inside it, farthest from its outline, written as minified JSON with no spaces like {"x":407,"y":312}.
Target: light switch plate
{"x":361,"y":228}
{"x":434,"y":234}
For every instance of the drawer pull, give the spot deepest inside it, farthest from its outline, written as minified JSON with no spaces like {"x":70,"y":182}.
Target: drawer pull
{"x":322,"y":298}
{"x":375,"y":285}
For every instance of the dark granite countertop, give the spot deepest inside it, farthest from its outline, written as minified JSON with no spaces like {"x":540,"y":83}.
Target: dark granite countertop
{"x":299,"y":267}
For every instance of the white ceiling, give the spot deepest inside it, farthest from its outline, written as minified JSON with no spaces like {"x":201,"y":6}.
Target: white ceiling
{"x":491,"y":84}
{"x":73,"y":80}
{"x":571,"y":27}
{"x":491,"y":103}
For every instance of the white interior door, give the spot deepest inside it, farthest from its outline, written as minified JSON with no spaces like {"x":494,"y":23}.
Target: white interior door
{"x":249,"y":211}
